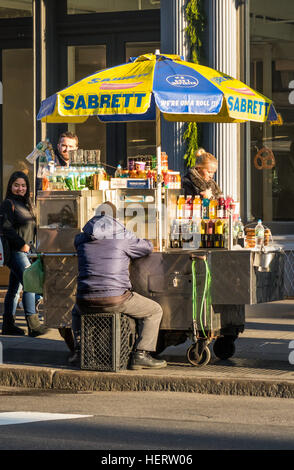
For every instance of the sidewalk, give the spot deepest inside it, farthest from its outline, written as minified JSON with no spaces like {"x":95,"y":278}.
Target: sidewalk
{"x":260,"y":366}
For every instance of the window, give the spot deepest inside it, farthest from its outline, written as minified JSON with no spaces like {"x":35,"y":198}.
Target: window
{"x":83,"y":61}
{"x":17,"y":111}
{"x":140,"y":135}
{"x":15,"y":9}
{"x":75,"y":7}
{"x":272,"y":73}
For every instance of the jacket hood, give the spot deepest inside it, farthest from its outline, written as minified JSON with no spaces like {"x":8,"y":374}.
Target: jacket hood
{"x":101,"y":227}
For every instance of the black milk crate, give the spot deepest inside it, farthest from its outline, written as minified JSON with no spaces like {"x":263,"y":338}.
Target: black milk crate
{"x":107,"y":340}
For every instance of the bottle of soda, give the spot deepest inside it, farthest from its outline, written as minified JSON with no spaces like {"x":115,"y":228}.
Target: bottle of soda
{"x":188,"y":208}
{"x":203,"y":233}
{"x":220,"y":207}
{"x":213,"y":209}
{"x":210,"y":233}
{"x":218,"y":230}
{"x":205,"y":208}
{"x":196,"y":208}
{"x":241,"y":234}
{"x":180,"y":207}
{"x":259,"y":234}
{"x":118,"y":172}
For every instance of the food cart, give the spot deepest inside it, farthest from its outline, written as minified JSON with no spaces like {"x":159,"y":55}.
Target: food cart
{"x":221,"y":281}
{"x":239,"y":277}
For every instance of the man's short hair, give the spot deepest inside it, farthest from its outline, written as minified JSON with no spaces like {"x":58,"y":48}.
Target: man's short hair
{"x":107,"y":208}
{"x":69,"y":135}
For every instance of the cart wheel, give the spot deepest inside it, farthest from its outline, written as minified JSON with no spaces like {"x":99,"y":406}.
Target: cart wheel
{"x":224,"y":347}
{"x":197,"y":359}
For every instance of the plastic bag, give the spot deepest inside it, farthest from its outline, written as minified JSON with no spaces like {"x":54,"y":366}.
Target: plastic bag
{"x":33,"y":277}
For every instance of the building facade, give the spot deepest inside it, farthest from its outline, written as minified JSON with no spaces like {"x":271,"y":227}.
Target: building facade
{"x":49,"y":44}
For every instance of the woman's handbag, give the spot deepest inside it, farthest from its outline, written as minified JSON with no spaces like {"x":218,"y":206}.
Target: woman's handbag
{"x":33,"y":277}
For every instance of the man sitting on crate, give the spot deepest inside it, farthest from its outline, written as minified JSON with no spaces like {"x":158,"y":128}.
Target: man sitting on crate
{"x":104,"y":250}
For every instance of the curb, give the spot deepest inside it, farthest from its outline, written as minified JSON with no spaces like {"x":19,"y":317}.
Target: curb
{"x":76,"y":381}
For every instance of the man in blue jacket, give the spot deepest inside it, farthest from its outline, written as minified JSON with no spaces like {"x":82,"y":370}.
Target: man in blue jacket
{"x":104,"y":250}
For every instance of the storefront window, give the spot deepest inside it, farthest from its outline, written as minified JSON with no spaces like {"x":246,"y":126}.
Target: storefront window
{"x":17,"y":111}
{"x":83,"y":61}
{"x":272,"y":73}
{"x":76,"y":7}
{"x":140,"y":135}
{"x":15,"y":8}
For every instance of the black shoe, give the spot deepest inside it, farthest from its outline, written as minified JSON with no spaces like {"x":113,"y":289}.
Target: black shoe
{"x":12,"y":330}
{"x":143,"y":360}
{"x":75,"y":359}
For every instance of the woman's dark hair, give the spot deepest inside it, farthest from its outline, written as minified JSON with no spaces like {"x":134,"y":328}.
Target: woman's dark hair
{"x":27,"y":196}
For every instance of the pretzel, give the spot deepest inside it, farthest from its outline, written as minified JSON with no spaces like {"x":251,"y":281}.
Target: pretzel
{"x":264,"y":159}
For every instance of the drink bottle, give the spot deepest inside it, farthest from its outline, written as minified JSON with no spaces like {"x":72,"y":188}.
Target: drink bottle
{"x":205,"y":208}
{"x":118,"y":172}
{"x":203,"y":233}
{"x":225,"y":234}
{"x":188,"y":208}
{"x":180,"y":207}
{"x":259,"y":234}
{"x":218,"y":230}
{"x":241,"y":234}
{"x":196,"y":208}
{"x":220,"y":207}
{"x":210,"y":232}
{"x":213,"y":208}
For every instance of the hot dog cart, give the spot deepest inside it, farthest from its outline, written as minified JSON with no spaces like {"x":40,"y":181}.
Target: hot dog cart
{"x":203,"y":291}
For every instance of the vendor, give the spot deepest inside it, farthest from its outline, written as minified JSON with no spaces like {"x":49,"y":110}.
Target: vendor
{"x":67,"y":141}
{"x":199,"y":179}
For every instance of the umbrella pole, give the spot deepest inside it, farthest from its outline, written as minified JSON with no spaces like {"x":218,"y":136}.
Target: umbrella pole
{"x":159,"y":181}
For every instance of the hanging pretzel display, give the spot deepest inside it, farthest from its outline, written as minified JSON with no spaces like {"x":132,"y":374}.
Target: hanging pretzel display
{"x":264,"y":159}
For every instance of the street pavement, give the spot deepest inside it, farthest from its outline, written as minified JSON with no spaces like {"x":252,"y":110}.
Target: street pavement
{"x":261,"y":365}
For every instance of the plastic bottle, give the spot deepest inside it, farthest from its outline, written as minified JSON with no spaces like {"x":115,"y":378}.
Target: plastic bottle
{"x":205,"y":208}
{"x":210,"y":232}
{"x":69,"y":181}
{"x":82,"y":178}
{"x":259,"y":235}
{"x":180,"y":207}
{"x":220,"y":207}
{"x":218,"y":230}
{"x":213,"y":209}
{"x":196,"y":208}
{"x":118,"y":172}
{"x":241,"y":233}
{"x":203,"y":233}
{"x":188,"y":208}
{"x":225,"y":233}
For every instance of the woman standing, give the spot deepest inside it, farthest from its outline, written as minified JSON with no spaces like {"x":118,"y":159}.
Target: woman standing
{"x":19,"y":228}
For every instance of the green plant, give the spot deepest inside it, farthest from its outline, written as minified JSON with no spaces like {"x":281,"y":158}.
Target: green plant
{"x":196,"y":23}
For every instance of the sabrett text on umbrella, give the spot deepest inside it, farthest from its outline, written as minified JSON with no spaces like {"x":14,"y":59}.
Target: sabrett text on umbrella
{"x":105,"y":100}
{"x":243,"y":105}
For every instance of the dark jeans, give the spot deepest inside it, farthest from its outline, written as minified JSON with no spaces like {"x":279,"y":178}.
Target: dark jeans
{"x":19,"y":261}
{"x":146,"y":311}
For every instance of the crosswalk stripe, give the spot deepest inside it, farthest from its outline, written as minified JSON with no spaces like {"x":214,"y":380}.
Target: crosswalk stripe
{"x":20,"y":417}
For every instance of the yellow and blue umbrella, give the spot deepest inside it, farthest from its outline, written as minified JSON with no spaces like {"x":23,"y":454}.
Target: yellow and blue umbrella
{"x":180,"y":90}
{"x":158,"y":83}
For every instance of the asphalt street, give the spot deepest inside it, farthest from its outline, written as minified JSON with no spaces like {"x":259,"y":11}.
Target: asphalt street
{"x":129,"y":421}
